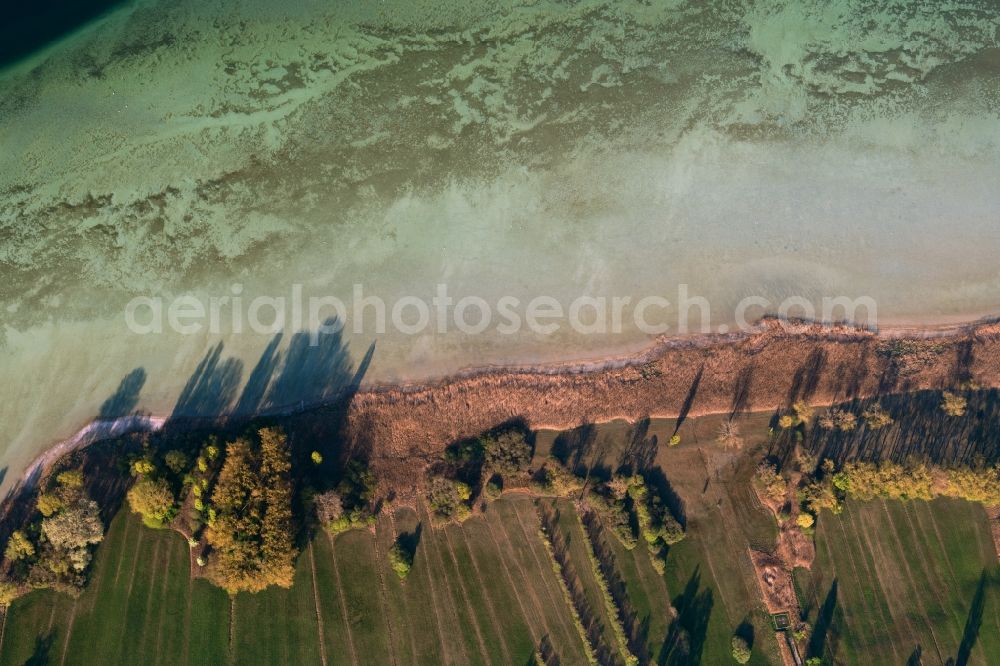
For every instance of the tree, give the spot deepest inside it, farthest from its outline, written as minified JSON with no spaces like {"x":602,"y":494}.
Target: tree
{"x":251,"y":532}
{"x":142,"y":466}
{"x":176,"y":461}
{"x":75,"y":527}
{"x":153,"y":500}
{"x":805,"y":520}
{"x":507,"y":453}
{"x":447,"y":498}
{"x":740,"y":649}
{"x":952,"y":404}
{"x":19,"y":547}
{"x":729,"y":435}
{"x":328,"y":507}
{"x":317,"y":457}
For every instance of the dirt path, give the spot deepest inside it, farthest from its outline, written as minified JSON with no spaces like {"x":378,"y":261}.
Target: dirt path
{"x":343,"y":603}
{"x":319,"y":614}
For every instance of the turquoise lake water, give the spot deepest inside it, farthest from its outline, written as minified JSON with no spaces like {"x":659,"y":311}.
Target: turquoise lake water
{"x":565,"y":149}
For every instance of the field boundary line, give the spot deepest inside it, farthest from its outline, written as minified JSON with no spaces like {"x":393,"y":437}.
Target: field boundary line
{"x":319,"y":615}
{"x":486,"y":595}
{"x":343,"y":602}
{"x":449,"y":594}
{"x":465,"y":597}
{"x":384,"y":596}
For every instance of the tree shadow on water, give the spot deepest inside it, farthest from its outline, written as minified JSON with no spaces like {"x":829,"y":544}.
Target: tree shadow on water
{"x":123,"y":402}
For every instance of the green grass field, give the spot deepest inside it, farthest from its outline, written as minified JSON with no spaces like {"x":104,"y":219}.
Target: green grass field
{"x":895,"y":579}
{"x":888,"y":577}
{"x":479,"y":593}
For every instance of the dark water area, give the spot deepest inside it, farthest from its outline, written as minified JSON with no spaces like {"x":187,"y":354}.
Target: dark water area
{"x":26,"y":27}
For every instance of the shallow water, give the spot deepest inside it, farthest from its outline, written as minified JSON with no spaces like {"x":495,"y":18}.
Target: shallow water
{"x":505,"y":149}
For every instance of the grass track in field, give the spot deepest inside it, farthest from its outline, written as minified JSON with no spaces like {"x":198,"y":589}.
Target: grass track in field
{"x":920,"y":563}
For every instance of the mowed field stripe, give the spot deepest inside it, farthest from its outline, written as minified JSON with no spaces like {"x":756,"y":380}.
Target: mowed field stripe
{"x":866,"y":555}
{"x":552,"y":585}
{"x":449,"y":603}
{"x":437,"y":603}
{"x":343,"y":603}
{"x":938,"y":614}
{"x":490,"y":602}
{"x":386,"y":525}
{"x":867,"y":623}
{"x":475,"y":617}
{"x":896,"y":567}
{"x":379,"y":566}
{"x":319,"y":613}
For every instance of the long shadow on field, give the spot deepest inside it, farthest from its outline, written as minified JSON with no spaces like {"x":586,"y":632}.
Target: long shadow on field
{"x":40,"y":655}
{"x":640,"y":450}
{"x":973,"y":622}
{"x":817,"y":642}
{"x":685,"y":639}
{"x":689,"y":400}
{"x":916,"y":657}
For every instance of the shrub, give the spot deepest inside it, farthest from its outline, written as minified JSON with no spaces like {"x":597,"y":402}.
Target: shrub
{"x":740,"y":649}
{"x":447,"y":497}
{"x":876,"y":418}
{"x":786,"y":421}
{"x":401,"y":559}
{"x":674,"y":440}
{"x":142,"y":466}
{"x":952,"y":404}
{"x":805,"y":520}
{"x":176,"y":461}
{"x":72,"y":478}
{"x":316,"y":457}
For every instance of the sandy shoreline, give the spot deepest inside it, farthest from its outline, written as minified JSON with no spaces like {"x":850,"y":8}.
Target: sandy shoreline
{"x":693,"y":375}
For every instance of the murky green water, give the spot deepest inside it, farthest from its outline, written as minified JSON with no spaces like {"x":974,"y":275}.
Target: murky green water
{"x":503,"y":148}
